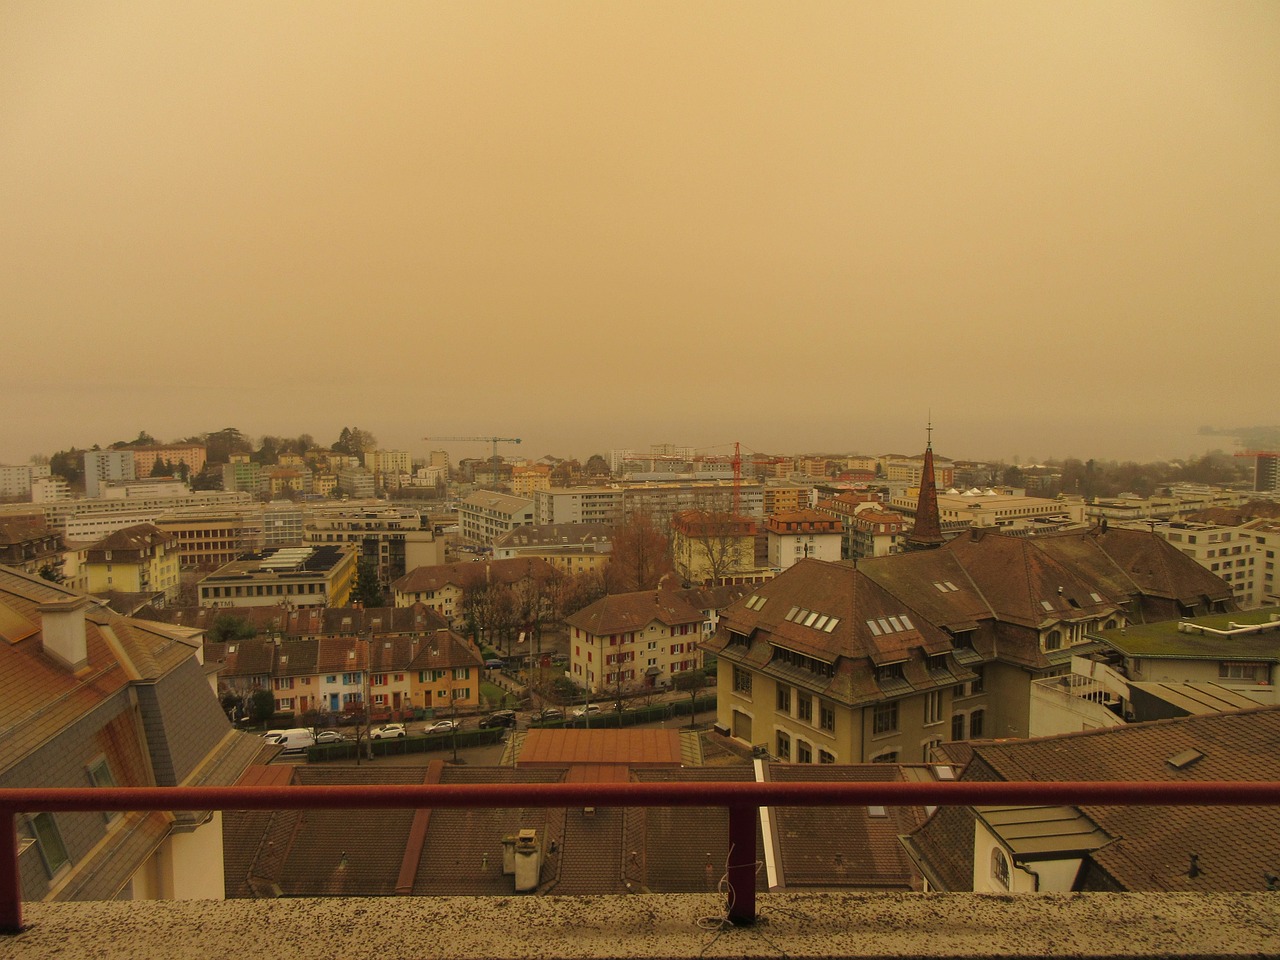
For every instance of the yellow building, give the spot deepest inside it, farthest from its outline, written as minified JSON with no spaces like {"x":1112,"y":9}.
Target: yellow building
{"x":137,"y":559}
{"x":714,"y":547}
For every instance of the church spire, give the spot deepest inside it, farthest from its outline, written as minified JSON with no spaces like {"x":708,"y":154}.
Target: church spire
{"x":928,"y":529}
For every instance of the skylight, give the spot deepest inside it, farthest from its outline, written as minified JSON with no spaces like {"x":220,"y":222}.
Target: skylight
{"x":791,"y":614}
{"x":1047,"y":605}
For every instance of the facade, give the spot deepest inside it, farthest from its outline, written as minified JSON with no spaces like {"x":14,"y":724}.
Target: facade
{"x":570,"y":548}
{"x":888,"y":660}
{"x":910,"y":470}
{"x":786,"y":497}
{"x":714,"y":548}
{"x":89,"y":698}
{"x":873,"y":532}
{"x":27,"y":543}
{"x":49,"y":490}
{"x":299,"y":576}
{"x":397,"y":539}
{"x":190,"y":455}
{"x":443,"y":588}
{"x":357,"y":482}
{"x":242,"y":475}
{"x":1230,"y":552}
{"x":137,"y":559}
{"x":527,"y":480}
{"x":565,"y":505}
{"x":627,"y":641}
{"x":106,"y":466}
{"x":485,"y":516}
{"x":17,"y":482}
{"x":794,"y":535}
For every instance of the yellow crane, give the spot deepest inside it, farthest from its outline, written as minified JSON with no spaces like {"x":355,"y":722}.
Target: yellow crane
{"x":493,"y":440}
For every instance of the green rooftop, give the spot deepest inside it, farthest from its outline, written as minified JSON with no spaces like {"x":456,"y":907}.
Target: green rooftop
{"x":1181,"y":639}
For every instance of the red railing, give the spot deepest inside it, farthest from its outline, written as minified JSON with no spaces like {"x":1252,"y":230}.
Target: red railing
{"x":741,"y":800}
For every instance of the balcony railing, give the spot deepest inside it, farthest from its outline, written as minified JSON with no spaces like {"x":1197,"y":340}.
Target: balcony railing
{"x":742,"y":801}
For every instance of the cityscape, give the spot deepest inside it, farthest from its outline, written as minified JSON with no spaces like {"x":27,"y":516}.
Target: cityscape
{"x":610,"y":480}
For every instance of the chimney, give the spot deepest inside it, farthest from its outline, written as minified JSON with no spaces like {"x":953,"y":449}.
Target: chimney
{"x":62,"y":631}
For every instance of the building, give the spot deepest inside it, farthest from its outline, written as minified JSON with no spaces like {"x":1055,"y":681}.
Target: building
{"x":627,"y":641}
{"x":396,"y":539}
{"x":890,"y":659}
{"x":391,"y":469}
{"x":1230,"y":552}
{"x":242,"y":475}
{"x":570,"y":548}
{"x":909,"y":471}
{"x":106,"y":466}
{"x":443,"y":588}
{"x":89,"y":698}
{"x":49,"y":490}
{"x":27,"y":543}
{"x":485,"y":516}
{"x":527,"y":480}
{"x":874,"y":532}
{"x":575,"y":505}
{"x":300,"y":576}
{"x":714,"y":547}
{"x":1113,"y":849}
{"x":785,"y":497}
{"x":357,"y":482}
{"x":137,"y":559}
{"x":18,"y":482}
{"x":189,"y":455}
{"x":796,"y":534}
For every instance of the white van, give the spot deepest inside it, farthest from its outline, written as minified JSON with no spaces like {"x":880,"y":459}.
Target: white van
{"x":294,"y":740}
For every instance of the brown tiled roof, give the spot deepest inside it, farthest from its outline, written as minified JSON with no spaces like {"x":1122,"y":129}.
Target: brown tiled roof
{"x":630,"y":747}
{"x":310,"y":621}
{"x":22,"y":528}
{"x":138,"y":538}
{"x":464,"y":575}
{"x":844,"y":846}
{"x":626,"y":612}
{"x":928,"y":526}
{"x":1150,"y":847}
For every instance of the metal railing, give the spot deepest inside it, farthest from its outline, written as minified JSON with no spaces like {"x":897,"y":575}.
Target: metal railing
{"x":742,"y":801}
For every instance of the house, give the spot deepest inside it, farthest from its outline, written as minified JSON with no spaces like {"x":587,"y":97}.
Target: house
{"x":890,"y":659}
{"x":1062,"y":849}
{"x":795,"y":534}
{"x":444,"y":587}
{"x":136,"y":559}
{"x":625,"y":641}
{"x":714,"y":547}
{"x":485,"y":516}
{"x":92,"y":699}
{"x":570,"y":548}
{"x":26,"y":542}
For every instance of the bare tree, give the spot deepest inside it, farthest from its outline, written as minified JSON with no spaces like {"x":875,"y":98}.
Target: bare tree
{"x":641,"y":555}
{"x":713,"y":542}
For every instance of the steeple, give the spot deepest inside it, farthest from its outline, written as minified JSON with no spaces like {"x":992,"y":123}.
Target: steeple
{"x":928,"y":530}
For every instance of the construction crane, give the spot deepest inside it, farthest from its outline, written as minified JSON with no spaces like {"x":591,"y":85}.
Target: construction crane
{"x":493,"y":440}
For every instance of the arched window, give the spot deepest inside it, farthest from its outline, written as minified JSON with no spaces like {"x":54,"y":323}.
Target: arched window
{"x":1000,"y":867}
{"x":1054,"y":640}
{"x":1110,"y":624}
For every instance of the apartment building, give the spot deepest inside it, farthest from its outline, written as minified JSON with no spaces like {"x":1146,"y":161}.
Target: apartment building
{"x":397,"y":539}
{"x":27,"y":543}
{"x":885,"y":661}
{"x":300,"y":576}
{"x":106,"y":466}
{"x":570,"y":548}
{"x":785,"y":497}
{"x":486,"y":515}
{"x":795,"y":535}
{"x":137,"y":559}
{"x":873,"y":532}
{"x":574,"y":505}
{"x":714,"y":548}
{"x":242,"y":475}
{"x":16,"y":482}
{"x":628,"y":641}
{"x":190,"y":455}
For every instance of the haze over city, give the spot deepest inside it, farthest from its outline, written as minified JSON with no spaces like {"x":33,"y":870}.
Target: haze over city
{"x":1051,"y":227}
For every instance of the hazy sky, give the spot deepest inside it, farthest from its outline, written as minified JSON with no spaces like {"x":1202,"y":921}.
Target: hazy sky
{"x":601,"y":224}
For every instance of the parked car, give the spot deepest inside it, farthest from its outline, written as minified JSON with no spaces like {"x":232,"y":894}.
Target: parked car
{"x":590,"y":708}
{"x":331,"y":736}
{"x":294,"y":740}
{"x":551,"y":713}
{"x":442,"y":726}
{"x":388,"y":731}
{"x":493,"y":663}
{"x":500,"y":718}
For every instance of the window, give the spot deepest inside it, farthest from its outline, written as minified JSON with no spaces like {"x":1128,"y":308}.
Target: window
{"x":100,"y":776}
{"x":824,"y":757}
{"x":804,"y":708}
{"x":741,"y":681}
{"x":975,"y":685}
{"x":378,"y":679}
{"x":827,"y":715}
{"x":1255,"y":672}
{"x":804,"y":752}
{"x":889,"y":756}
{"x":1000,"y":867}
{"x":461,"y":673}
{"x":957,"y":726}
{"x":892,"y":671}
{"x":933,"y":707}
{"x":44,"y":830}
{"x":975,"y":724}
{"x":926,"y":750}
{"x":784,"y":699}
{"x":884,"y":719}
{"x":784,"y":746}
{"x":1053,"y":641}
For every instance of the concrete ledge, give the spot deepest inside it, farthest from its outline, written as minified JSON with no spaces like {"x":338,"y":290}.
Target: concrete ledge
{"x":791,"y":925}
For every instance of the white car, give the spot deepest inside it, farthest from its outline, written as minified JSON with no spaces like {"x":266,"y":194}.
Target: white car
{"x":584,"y":711}
{"x":388,"y":731}
{"x":441,"y":726}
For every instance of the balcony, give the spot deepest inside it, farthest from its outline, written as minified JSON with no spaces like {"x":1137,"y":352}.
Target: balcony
{"x":737,"y":924}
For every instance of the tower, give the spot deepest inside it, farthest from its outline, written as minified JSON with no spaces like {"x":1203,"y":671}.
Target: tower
{"x":927,"y":534}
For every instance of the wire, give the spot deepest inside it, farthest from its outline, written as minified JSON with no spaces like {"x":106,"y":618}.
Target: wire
{"x":722,"y":922}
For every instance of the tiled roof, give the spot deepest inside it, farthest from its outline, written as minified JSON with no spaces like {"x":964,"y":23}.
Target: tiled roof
{"x":310,"y":621}
{"x":139,"y":537}
{"x":556,"y":534}
{"x":464,"y":575}
{"x":630,"y":747}
{"x":1150,"y":848}
{"x":627,"y":612}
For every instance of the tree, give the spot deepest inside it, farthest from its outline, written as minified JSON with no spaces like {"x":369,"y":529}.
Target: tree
{"x":53,"y":572}
{"x":641,"y":555}
{"x":69,"y":464}
{"x":268,"y":451}
{"x":229,"y":627}
{"x":355,"y":442}
{"x":368,"y":591}
{"x":261,"y":706}
{"x":597,"y":466}
{"x":715,"y":542}
{"x":143,"y":439}
{"x":693,"y":682}
{"x":220,"y":445}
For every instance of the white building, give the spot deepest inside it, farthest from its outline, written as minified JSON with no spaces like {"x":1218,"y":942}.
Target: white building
{"x":104,"y":466}
{"x":800,"y":534}
{"x":485,"y":516}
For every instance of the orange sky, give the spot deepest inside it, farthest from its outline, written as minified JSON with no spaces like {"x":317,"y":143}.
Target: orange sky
{"x":599,"y":224}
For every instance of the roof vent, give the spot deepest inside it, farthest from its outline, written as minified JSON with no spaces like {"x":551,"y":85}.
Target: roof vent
{"x":1180,"y":761}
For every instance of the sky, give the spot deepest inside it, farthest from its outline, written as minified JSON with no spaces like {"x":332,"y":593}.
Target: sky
{"x":1052,"y":228}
